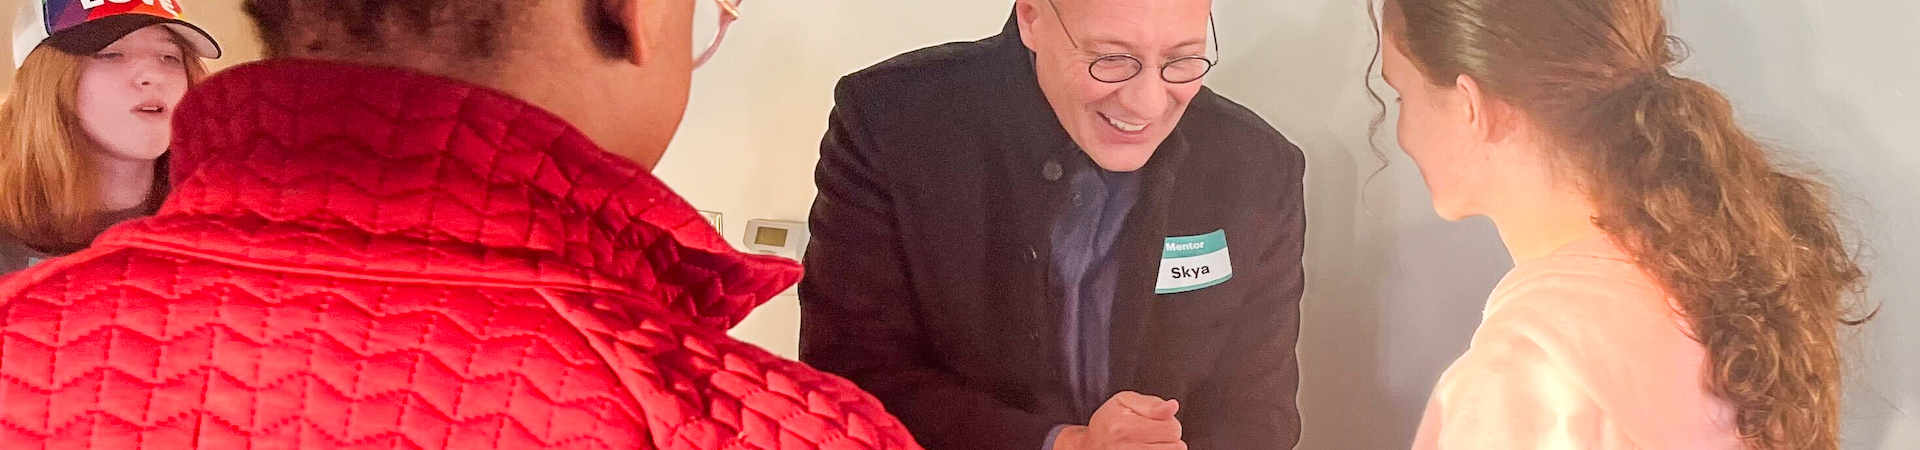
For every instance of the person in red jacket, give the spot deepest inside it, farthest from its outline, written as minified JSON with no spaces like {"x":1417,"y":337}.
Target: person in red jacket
{"x":422,"y":225}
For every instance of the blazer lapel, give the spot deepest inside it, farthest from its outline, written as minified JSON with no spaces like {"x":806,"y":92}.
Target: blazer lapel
{"x":1139,"y":260}
{"x":1030,"y":185}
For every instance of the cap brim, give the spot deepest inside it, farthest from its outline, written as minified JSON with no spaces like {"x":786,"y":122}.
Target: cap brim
{"x":88,"y":38}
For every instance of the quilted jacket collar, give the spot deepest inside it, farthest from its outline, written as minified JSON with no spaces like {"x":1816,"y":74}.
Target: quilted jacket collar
{"x":384,"y":172}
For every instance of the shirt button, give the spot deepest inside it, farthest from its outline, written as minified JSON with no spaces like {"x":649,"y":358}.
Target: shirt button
{"x":1051,"y":170}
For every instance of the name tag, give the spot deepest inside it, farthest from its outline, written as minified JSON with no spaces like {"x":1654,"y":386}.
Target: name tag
{"x":1191,"y":263}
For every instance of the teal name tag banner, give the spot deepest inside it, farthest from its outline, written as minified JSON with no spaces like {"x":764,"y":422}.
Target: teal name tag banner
{"x":1191,"y":263}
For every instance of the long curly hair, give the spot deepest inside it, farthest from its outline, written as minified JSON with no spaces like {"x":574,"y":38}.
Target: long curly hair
{"x":1751,"y":253}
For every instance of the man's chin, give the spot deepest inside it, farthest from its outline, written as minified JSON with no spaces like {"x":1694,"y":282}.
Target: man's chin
{"x":1121,"y":160}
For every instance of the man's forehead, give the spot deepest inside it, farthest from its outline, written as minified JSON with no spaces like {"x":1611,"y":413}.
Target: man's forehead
{"x":1126,"y":23}
{"x":1137,"y":13}
{"x":1178,"y":9}
{"x":1139,"y":3}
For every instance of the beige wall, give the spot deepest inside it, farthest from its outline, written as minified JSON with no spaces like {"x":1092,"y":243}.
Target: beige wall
{"x":753,"y":127}
{"x":1393,"y":292}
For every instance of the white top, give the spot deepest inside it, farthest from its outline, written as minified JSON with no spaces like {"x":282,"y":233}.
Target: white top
{"x":1578,"y":350}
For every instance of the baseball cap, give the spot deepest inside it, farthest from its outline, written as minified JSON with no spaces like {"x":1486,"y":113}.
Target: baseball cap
{"x":83,"y":27}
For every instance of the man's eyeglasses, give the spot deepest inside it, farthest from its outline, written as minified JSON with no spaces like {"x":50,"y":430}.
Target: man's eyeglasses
{"x":710,"y":22}
{"x":1120,"y":67}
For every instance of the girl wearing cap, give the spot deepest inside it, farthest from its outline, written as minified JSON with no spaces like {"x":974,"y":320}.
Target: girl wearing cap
{"x":88,"y":120}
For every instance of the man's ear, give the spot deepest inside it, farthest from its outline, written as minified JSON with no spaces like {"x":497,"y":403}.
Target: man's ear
{"x":632,"y":19}
{"x":1025,"y":13}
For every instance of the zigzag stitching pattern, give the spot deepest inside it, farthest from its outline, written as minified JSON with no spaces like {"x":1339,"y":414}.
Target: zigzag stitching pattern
{"x":624,"y":228}
{"x":317,"y":428}
{"x":469,"y":331}
{"x":839,"y":401}
{"x":709,"y":277}
{"x":456,"y":118}
{"x":756,"y":375}
{"x":59,"y":385}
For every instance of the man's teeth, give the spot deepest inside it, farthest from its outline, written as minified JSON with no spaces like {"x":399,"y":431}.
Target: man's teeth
{"x":1123,"y":126}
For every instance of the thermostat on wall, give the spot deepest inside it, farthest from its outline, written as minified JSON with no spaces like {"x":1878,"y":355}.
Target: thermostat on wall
{"x":777,"y":237}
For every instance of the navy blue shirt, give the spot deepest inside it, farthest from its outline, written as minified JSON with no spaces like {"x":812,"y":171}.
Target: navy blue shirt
{"x":1084,"y":266}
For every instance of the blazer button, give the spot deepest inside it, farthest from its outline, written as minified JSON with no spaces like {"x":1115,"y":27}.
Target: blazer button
{"x":1051,"y":170}
{"x":1032,"y":255}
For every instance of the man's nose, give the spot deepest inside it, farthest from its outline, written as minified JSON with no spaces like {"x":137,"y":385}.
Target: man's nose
{"x":1146,"y":95}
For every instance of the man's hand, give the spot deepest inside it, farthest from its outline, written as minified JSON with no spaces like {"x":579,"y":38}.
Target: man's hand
{"x":1128,"y":421}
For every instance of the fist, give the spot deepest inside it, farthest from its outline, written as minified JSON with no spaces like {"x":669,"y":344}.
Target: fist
{"x":1128,"y":421}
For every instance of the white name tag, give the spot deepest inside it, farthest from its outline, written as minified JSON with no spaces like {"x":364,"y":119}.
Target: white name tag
{"x":1191,"y":263}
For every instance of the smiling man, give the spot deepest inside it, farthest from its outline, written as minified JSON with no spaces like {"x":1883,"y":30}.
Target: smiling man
{"x":1058,"y":238}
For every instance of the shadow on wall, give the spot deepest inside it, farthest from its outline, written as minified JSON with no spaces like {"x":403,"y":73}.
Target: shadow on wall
{"x":1261,"y":68}
{"x":1393,"y":293}
{"x":1797,"y":89}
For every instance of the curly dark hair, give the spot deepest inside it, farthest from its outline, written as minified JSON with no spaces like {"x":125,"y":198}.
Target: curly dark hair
{"x":462,"y":29}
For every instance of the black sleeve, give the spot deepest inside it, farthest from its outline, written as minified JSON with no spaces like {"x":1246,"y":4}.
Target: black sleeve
{"x":1262,"y":378}
{"x":857,"y":310}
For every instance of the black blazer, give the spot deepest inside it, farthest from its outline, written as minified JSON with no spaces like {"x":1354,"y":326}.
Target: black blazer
{"x":928,"y":273}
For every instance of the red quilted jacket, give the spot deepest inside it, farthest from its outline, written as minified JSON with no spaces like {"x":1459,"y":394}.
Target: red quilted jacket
{"x":359,"y":257}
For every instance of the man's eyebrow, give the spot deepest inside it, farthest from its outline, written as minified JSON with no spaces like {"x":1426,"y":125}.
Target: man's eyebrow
{"x":1118,"y":44}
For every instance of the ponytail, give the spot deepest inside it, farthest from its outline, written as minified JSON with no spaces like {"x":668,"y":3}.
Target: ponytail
{"x":1750,"y":253}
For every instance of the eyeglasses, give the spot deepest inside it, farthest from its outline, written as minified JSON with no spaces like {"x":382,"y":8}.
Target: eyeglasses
{"x":1120,"y":67}
{"x":710,"y":22}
